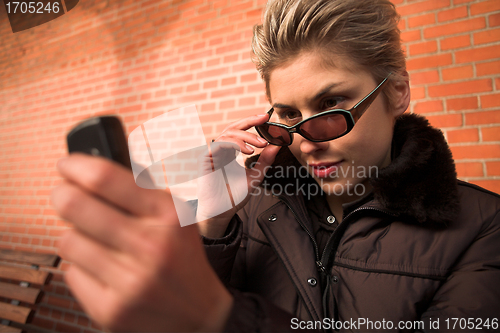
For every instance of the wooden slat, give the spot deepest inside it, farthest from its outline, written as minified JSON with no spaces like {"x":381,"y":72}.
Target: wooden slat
{"x":16,"y":313}
{"x":23,"y":294}
{"x":42,"y":259}
{"x":24,"y":274}
{"x":9,"y":329}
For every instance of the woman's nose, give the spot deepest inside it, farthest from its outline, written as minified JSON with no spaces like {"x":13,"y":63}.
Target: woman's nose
{"x":309,"y":147}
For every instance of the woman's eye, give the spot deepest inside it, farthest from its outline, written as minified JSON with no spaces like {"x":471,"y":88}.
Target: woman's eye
{"x":292,"y":114}
{"x":331,"y":103}
{"x":289,"y":115}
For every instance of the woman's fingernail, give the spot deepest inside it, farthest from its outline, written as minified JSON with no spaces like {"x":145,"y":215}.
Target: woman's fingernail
{"x":249,"y":148}
{"x":261,"y":140}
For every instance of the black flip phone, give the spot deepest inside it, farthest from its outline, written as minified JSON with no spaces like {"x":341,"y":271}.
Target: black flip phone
{"x":100,"y":136}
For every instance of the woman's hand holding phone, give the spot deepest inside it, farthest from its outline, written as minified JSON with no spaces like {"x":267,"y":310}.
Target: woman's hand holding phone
{"x":134,"y":268}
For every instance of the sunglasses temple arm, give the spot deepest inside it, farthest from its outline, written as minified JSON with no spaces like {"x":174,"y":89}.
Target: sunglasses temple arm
{"x":368,"y":100}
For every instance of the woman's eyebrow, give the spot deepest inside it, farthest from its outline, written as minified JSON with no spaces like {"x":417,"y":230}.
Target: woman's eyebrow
{"x":320,"y":94}
{"x":281,"y":106}
{"x":326,"y":90}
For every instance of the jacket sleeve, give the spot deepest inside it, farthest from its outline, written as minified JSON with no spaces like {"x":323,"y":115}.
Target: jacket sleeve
{"x":221,"y":252}
{"x":250,"y":312}
{"x":471,"y":294}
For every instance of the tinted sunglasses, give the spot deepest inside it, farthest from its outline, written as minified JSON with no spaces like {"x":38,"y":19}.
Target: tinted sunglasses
{"x":324,"y":126}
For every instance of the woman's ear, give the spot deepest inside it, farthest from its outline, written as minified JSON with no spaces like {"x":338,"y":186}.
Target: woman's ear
{"x":401,"y":95}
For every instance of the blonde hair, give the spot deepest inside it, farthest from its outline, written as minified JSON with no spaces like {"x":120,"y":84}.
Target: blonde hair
{"x":366,"y":31}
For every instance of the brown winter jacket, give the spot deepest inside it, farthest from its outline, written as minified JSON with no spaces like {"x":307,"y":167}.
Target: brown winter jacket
{"x":423,"y":247}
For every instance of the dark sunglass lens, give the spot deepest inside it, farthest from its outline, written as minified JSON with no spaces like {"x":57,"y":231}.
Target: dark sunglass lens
{"x":274,"y":134}
{"x":325,"y":127}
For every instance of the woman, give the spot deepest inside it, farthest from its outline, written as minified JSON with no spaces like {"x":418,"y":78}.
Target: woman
{"x":376,"y":235}
{"x":401,"y":247}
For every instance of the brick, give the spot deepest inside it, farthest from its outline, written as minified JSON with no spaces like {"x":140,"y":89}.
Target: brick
{"x":232,"y":47}
{"x":69,"y":317}
{"x":488,"y":36}
{"x":493,"y":168}
{"x":195,"y":66}
{"x":249,"y":77}
{"x":424,"y":77}
{"x":60,"y":327}
{"x":231,"y":58}
{"x":417,"y":93}
{"x":429,"y":62}
{"x":177,"y":91}
{"x":428,"y":107}
{"x":192,"y":98}
{"x":491,"y":185}
{"x":244,"y":67}
{"x":240,"y":114}
{"x":422,"y":6}
{"x":227,"y":92}
{"x":455,"y":27}
{"x":198,"y":55}
{"x":226,"y":104}
{"x":411,"y":36}
{"x":417,"y":21}
{"x":213,"y":62}
{"x":183,"y":6}
{"x":457,"y":42}
{"x":211,"y":73}
{"x":210,"y":84}
{"x":59,"y":302}
{"x":483,"y":118}
{"x":241,"y":7}
{"x":465,"y":169}
{"x":463,"y":135}
{"x":460,"y":88}
{"x":193,"y":87}
{"x":490,"y":101}
{"x":452,"y":14}
{"x":458,"y":104}
{"x":43,"y":323}
{"x":494,"y":20}
{"x":475,"y":151}
{"x":204,"y":17}
{"x":488,"y":68}
{"x":228,"y":81}
{"x":247,"y":101}
{"x":423,"y":48}
{"x":484,"y":7}
{"x":448,"y":120}
{"x":457,"y":73}
{"x":208,"y":107}
{"x":478,"y":54}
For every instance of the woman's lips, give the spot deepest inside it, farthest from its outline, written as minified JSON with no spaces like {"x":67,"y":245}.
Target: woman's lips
{"x":324,"y":170}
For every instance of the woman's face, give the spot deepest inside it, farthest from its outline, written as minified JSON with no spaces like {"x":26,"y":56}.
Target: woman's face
{"x":305,"y":86}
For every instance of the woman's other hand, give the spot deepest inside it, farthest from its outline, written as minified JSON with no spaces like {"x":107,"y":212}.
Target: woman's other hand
{"x":234,"y":137}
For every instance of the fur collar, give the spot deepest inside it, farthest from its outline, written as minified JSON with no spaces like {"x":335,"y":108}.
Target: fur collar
{"x":420,"y":183}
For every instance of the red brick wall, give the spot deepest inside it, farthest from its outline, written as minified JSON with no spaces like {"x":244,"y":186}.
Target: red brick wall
{"x":139,"y":59}
{"x":453,"y":49}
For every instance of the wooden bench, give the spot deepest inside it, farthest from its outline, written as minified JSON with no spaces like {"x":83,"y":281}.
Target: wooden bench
{"x":21,"y":286}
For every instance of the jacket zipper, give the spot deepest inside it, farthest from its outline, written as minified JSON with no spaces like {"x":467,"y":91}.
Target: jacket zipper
{"x":319,"y":264}
{"x":320,"y":260}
